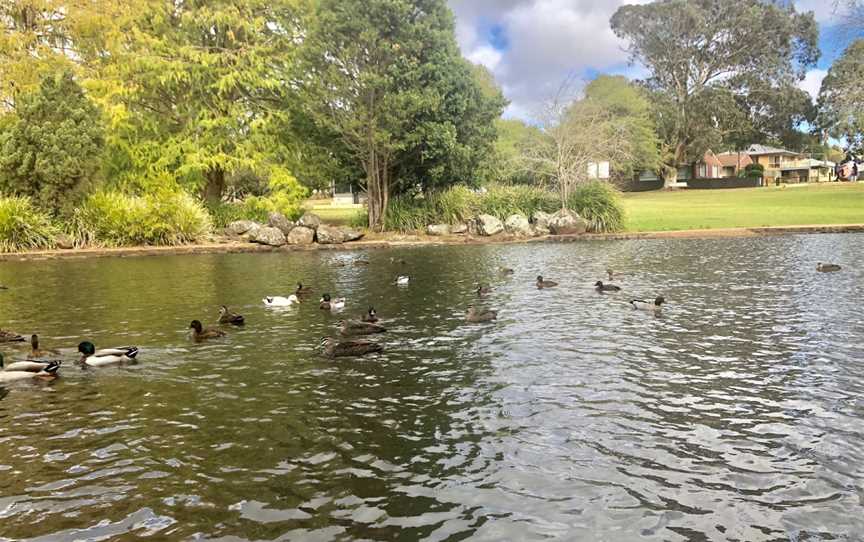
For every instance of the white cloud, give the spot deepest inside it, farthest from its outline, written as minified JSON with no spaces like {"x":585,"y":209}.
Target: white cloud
{"x":825,"y":11}
{"x":812,"y":83}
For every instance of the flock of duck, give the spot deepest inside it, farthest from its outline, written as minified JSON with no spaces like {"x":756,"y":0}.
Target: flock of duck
{"x":38,"y":366}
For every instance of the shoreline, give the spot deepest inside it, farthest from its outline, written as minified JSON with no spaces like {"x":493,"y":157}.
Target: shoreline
{"x":383,"y":241}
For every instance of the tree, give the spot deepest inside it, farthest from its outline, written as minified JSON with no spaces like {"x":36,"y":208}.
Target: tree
{"x":53,"y":145}
{"x":514,"y":139}
{"x":388,"y":78}
{"x":696,"y":49}
{"x":841,"y":98}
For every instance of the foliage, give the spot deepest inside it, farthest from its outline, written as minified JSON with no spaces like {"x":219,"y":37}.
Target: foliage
{"x":23,"y":227}
{"x":600,"y":204}
{"x":53,"y":145}
{"x":756,"y":171}
{"x":111,"y":218}
{"x":514,"y":139}
{"x":702,"y":54}
{"x":503,"y":201}
{"x":841,"y":99}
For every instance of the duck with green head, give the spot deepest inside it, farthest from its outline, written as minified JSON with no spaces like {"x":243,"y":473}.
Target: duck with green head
{"x":91,"y":357}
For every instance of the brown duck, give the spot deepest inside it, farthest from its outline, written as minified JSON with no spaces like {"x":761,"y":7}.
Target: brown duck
{"x":352,"y":327}
{"x":200,"y":334}
{"x":344,"y":349}
{"x":545,"y":283}
{"x":228,"y":317}
{"x":600,"y":287}
{"x":10,"y":337}
{"x":475,"y":316}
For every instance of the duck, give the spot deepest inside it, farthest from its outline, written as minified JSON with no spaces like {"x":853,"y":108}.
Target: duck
{"x":302,"y":290}
{"x":402,"y":280}
{"x":11,"y":373}
{"x":10,"y":337}
{"x":827,"y":267}
{"x":612,"y":274}
{"x":545,"y":283}
{"x":35,"y":351}
{"x":200,"y":334}
{"x":279,"y":301}
{"x":343,"y":349}
{"x":600,"y":287}
{"x":228,"y":317}
{"x":399,"y":261}
{"x":655,"y":306}
{"x":483,"y":290}
{"x":371,"y":316}
{"x":108,"y":356}
{"x":328,"y":304}
{"x":352,"y":327}
{"x":475,"y":316}
{"x":506,"y":271}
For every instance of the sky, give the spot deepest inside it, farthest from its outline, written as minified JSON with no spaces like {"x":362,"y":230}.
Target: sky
{"x":532,"y":46}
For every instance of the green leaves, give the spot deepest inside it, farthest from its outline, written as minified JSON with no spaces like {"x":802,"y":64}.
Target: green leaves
{"x":841,"y":99}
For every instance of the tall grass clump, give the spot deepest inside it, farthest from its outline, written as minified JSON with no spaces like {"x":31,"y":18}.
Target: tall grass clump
{"x":454,"y":205}
{"x":600,"y":204}
{"x":407,"y":213}
{"x":502,"y":201}
{"x":23,"y":226}
{"x":111,"y":218}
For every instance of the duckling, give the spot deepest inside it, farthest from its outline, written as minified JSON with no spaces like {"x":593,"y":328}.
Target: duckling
{"x":827,"y":267}
{"x":279,"y":301}
{"x":349,"y":327}
{"x":402,"y":280}
{"x":302,"y":290}
{"x":506,"y":271}
{"x":334,"y":349}
{"x":641,"y":304}
{"x":108,"y":356}
{"x":600,"y":287}
{"x":10,"y":337}
{"x":545,"y":283}
{"x":228,"y":317}
{"x":483,"y":290}
{"x":10,"y":373}
{"x":328,"y":304}
{"x":371,"y":316}
{"x":200,"y":334}
{"x":475,"y":316}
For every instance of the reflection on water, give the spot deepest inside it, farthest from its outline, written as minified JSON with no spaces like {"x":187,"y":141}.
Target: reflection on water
{"x":736,"y":415}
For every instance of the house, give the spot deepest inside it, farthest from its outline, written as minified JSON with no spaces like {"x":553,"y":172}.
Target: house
{"x":733,"y":163}
{"x":786,"y":166}
{"x":708,"y":167}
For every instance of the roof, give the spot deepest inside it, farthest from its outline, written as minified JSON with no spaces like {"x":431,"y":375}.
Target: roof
{"x":734,"y":159}
{"x":757,"y":150}
{"x":711,"y":159}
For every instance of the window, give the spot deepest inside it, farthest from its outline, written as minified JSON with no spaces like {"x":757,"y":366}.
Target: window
{"x":775,"y":161}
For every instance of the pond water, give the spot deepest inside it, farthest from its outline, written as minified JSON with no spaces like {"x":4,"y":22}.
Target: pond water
{"x":736,"y":415}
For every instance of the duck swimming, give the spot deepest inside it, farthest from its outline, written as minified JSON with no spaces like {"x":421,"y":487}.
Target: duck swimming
{"x":335,"y":349}
{"x":36,"y":352}
{"x":228,"y":317}
{"x":483,"y":290}
{"x":655,"y":306}
{"x":475,"y":316}
{"x":506,"y":271}
{"x":302,"y":290}
{"x":545,"y":283}
{"x":402,"y":280}
{"x":329,"y":304}
{"x":371,"y":316}
{"x":10,"y":337}
{"x":350,"y":327}
{"x":108,"y":356}
{"x":200,"y":334}
{"x":827,"y":267}
{"x":13,"y":372}
{"x":600,"y":287}
{"x":279,"y":301}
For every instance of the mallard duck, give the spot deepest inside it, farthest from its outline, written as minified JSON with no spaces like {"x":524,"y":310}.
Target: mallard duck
{"x":402,"y":280}
{"x":36,"y":352}
{"x":350,"y":327}
{"x":228,"y":317}
{"x":506,"y":271}
{"x":302,"y":290}
{"x":13,"y":372}
{"x":10,"y":337}
{"x":328,"y":304}
{"x":827,"y":267}
{"x":107,"y":356}
{"x":545,"y":283}
{"x":200,"y":334}
{"x":371,"y":316}
{"x":474,"y":316}
{"x":336,"y":349}
{"x":600,"y":287}
{"x":655,"y":306}
{"x":279,"y":301}
{"x":483,"y":290}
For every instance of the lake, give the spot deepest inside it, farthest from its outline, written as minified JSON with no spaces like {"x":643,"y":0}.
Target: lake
{"x":736,"y":415}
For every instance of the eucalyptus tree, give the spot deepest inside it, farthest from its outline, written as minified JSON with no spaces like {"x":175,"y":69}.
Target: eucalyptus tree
{"x":841,"y":99}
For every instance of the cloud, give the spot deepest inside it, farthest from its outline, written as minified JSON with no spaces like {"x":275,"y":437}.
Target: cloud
{"x":812,"y":83}
{"x":825,"y":11}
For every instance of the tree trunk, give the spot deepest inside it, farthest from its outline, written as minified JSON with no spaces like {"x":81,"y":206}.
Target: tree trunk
{"x":670,"y":177}
{"x":212,"y":192}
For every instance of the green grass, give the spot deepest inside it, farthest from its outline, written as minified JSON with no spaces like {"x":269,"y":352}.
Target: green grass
{"x":833,"y":203}
{"x":336,"y":216}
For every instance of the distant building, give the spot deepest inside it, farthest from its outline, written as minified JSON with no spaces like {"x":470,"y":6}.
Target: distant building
{"x":733,"y":163}
{"x":347,"y":193}
{"x":598,"y":170}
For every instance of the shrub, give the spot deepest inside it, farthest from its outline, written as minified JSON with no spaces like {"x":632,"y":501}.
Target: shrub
{"x":456,"y":204}
{"x":165,"y":218}
{"x":754,"y":171}
{"x":599,"y":203}
{"x":360,"y":219}
{"x":23,"y":227}
{"x":502,"y":201}
{"x":407,"y":213}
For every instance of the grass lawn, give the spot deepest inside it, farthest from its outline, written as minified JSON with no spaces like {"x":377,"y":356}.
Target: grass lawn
{"x":834,"y":203}
{"x":337,"y":216}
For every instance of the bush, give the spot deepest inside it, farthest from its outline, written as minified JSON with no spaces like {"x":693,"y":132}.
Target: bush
{"x":407,"y":213}
{"x":23,"y":227}
{"x":165,"y":218}
{"x":454,"y":205}
{"x":754,"y":171}
{"x":599,"y":203}
{"x":502,"y":201}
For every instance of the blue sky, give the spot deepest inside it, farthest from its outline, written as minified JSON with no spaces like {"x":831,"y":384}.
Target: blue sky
{"x":531,"y":46}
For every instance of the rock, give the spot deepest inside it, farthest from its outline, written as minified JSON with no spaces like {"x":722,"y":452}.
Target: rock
{"x":459,"y":229}
{"x":539,"y":231}
{"x":438,"y":230}
{"x":567,"y":222}
{"x":329,"y":235}
{"x":280,"y":222}
{"x":64,"y":241}
{"x":541,"y":220}
{"x":240,"y":227}
{"x":266,"y":235}
{"x":301,"y":235}
{"x":350,"y":234}
{"x":518,"y":225}
{"x":488,"y":225}
{"x":310,"y":220}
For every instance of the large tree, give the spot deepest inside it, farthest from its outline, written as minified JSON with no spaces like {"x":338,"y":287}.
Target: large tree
{"x":696,"y":49}
{"x":388,"y":78}
{"x":841,"y":99}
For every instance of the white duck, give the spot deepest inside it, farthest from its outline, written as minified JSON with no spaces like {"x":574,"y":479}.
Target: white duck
{"x":403,"y":279}
{"x":15,"y":371}
{"x":108,"y":356}
{"x":279,"y":301}
{"x":651,"y":306}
